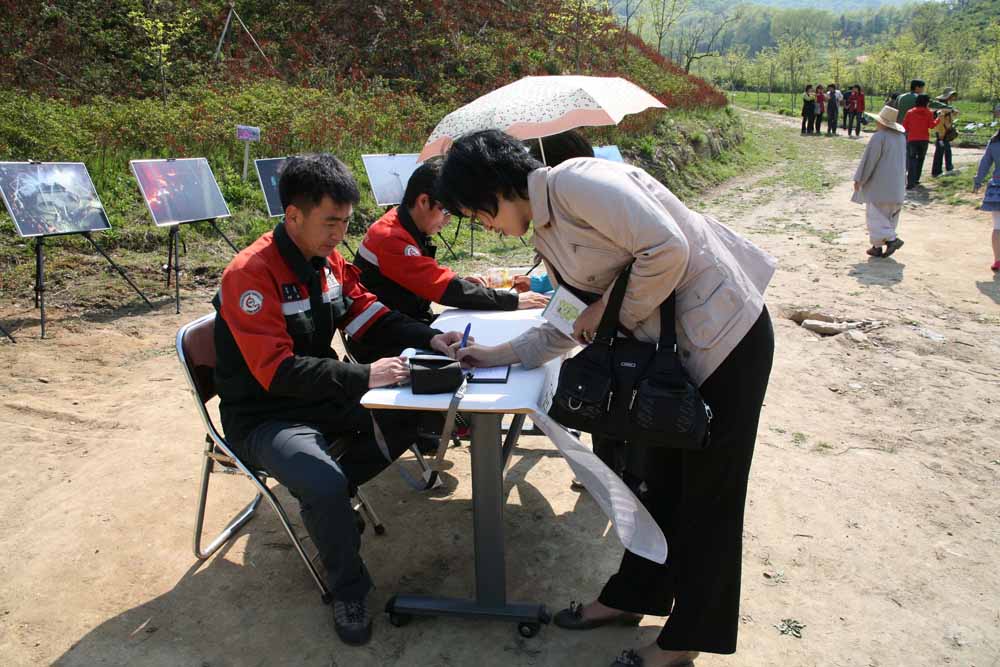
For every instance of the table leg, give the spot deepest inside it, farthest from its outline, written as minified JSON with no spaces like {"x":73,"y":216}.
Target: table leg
{"x":487,"y":510}
{"x":487,"y":523}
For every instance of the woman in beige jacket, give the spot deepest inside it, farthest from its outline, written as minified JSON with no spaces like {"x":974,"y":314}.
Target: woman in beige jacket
{"x":590,"y":219}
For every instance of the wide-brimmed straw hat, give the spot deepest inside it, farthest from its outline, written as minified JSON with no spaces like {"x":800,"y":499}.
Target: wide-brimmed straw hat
{"x":887,"y":118}
{"x":943,"y":97}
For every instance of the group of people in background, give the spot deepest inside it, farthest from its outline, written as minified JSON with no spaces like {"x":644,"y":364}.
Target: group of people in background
{"x":830,"y":102}
{"x":894,"y":160}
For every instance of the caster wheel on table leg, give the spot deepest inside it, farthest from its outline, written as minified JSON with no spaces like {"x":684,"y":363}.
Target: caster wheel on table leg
{"x":528,"y":630}
{"x":399,"y":620}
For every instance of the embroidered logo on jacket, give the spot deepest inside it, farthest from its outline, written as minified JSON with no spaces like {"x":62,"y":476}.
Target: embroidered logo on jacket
{"x":412,"y":251}
{"x":251,"y":302}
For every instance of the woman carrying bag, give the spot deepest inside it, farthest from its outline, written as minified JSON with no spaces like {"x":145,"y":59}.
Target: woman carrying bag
{"x":592,"y":219}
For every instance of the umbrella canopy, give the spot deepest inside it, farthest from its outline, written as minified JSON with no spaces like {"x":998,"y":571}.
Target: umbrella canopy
{"x":540,"y":106}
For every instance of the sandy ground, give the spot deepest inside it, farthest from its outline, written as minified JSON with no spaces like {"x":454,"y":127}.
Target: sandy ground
{"x":872,"y":518}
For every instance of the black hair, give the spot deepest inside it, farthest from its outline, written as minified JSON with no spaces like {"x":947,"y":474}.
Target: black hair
{"x":306,"y":179}
{"x":560,"y":147}
{"x":923,"y":100}
{"x":422,"y":182}
{"x":809,"y":87}
{"x":916,"y":83}
{"x":481,"y":167}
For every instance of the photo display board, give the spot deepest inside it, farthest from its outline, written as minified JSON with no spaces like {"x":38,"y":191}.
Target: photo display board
{"x":181,"y":190}
{"x":50,"y":198}
{"x":389,"y":174}
{"x":269,"y":171}
{"x":608,"y":153}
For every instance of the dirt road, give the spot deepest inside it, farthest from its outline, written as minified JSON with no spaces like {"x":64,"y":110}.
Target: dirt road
{"x":873,"y":519}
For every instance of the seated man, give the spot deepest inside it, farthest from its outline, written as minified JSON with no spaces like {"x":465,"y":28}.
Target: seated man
{"x":285,"y":397}
{"x":396,"y":260}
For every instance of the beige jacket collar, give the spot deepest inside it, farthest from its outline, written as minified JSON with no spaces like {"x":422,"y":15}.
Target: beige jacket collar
{"x":538,"y":195}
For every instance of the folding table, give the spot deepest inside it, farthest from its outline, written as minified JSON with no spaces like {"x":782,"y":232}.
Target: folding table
{"x":487,"y":404}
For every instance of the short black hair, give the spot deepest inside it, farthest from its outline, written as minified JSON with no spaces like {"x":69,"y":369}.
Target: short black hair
{"x":480,"y":168}
{"x":923,"y":100}
{"x":916,"y":83}
{"x":306,"y":179}
{"x":560,"y":147}
{"x":423,"y":181}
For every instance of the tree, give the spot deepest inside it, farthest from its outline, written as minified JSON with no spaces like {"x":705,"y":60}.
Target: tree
{"x":988,"y":71}
{"x":664,"y":14}
{"x":736,"y":67}
{"x":794,"y":56}
{"x":163,"y":34}
{"x":697,"y":39}
{"x":580,"y":22}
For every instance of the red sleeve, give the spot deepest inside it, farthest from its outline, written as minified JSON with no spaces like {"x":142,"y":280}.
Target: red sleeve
{"x":251,"y":307}
{"x":861,"y":103}
{"x":365,"y":308}
{"x":416,"y":272}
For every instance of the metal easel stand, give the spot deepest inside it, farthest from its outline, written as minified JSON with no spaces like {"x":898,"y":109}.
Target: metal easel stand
{"x":174,"y":256}
{"x":120,"y":270}
{"x":224,"y":237}
{"x":447,"y":245}
{"x":174,"y":263}
{"x":40,"y":279}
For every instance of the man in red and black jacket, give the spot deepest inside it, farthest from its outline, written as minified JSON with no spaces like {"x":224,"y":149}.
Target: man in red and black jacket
{"x":397,"y":263}
{"x":285,"y":397}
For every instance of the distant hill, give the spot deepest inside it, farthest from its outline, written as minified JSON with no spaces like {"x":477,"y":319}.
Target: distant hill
{"x":833,"y":6}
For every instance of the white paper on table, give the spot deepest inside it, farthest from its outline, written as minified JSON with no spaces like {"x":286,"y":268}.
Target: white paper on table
{"x":633,"y":523}
{"x":493,"y":374}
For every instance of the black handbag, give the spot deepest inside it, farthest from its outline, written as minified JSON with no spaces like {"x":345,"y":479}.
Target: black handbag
{"x":625,"y":389}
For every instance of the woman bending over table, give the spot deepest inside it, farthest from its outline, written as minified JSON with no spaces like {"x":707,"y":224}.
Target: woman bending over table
{"x":590,"y":219}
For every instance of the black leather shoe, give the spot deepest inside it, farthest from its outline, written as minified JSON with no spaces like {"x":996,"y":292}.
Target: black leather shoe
{"x":352,"y":621}
{"x":630,"y":658}
{"x":892,"y":246}
{"x":572,"y":619}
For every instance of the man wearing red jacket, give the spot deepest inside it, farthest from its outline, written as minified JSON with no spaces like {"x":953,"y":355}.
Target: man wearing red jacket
{"x":285,"y":397}
{"x":397,"y":263}
{"x":918,"y":123}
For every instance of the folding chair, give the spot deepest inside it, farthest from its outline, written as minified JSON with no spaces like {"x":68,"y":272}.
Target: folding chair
{"x":196,"y":352}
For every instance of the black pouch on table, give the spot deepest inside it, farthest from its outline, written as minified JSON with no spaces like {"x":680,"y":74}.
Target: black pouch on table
{"x":429,"y":375}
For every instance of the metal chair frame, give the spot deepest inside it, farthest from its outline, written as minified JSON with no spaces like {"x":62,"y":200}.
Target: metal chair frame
{"x":217,"y":450}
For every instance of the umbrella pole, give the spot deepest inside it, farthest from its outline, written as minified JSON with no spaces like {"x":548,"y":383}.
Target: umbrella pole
{"x":541,"y":146}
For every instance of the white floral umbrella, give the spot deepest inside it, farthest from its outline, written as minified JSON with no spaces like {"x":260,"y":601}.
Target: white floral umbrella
{"x":540,"y":106}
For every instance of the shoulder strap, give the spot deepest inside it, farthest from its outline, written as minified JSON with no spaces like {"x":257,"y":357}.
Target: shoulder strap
{"x":608,"y":327}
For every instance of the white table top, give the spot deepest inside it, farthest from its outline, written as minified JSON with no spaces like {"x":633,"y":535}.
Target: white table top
{"x":524,"y":390}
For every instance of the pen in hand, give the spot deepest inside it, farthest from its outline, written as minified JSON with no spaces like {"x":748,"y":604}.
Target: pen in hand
{"x":465,"y":336}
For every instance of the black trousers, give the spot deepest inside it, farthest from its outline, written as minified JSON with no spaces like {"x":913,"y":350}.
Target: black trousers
{"x":808,"y":116}
{"x":818,"y":122}
{"x":942,"y":153}
{"x":298,"y":456}
{"x":833,"y":116}
{"x":854,"y":122}
{"x":698,"y":499}
{"x":916,"y":153}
